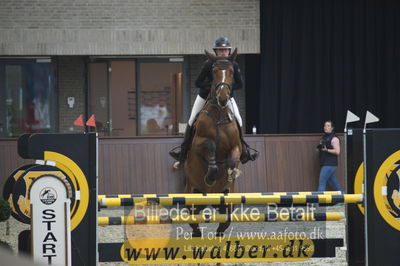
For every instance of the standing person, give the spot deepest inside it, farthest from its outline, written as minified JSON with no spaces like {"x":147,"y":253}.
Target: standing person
{"x":329,"y":150}
{"x":222,"y":48}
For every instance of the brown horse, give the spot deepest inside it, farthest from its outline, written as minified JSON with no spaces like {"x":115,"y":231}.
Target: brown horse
{"x":213,"y":159}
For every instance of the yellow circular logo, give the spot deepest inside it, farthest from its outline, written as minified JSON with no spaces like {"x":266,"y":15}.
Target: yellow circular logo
{"x":358,"y":184}
{"x":387,"y":190}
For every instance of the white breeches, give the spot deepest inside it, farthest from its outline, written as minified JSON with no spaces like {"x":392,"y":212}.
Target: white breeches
{"x":197,"y":106}
{"x":199,"y":103}
{"x":235,"y":110}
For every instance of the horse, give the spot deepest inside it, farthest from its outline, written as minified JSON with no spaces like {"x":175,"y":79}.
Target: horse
{"x":212,"y":163}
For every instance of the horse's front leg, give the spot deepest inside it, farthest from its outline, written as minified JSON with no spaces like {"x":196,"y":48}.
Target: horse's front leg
{"x":224,"y":209}
{"x":208,"y":148}
{"x":233,"y":164}
{"x":195,"y":227}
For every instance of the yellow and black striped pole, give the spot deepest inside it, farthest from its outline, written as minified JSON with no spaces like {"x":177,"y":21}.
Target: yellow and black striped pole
{"x":100,"y":197}
{"x":221,"y":218}
{"x":237,"y":198}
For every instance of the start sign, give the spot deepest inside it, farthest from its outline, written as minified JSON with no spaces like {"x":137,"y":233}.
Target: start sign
{"x":50,"y":221}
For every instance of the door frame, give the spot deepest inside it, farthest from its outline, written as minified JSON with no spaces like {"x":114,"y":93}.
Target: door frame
{"x":88,"y":91}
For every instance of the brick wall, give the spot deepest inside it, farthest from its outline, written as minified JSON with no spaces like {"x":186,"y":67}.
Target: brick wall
{"x":71,"y":82}
{"x":125,"y":27}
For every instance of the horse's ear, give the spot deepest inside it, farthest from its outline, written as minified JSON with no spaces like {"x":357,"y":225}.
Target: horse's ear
{"x":210,"y":56}
{"x":233,"y":56}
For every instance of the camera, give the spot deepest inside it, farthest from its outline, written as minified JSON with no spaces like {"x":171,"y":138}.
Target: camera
{"x":323,"y":143}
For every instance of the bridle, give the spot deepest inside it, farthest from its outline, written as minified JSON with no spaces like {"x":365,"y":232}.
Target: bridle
{"x":218,"y":86}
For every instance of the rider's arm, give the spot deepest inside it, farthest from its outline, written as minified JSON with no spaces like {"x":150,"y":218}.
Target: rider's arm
{"x":238,"y":84}
{"x":203,"y":81}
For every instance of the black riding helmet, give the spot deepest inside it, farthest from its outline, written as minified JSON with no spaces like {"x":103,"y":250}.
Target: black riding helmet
{"x":222,"y":43}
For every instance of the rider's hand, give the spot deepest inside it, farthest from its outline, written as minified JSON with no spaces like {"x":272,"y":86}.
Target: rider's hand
{"x":176,"y":165}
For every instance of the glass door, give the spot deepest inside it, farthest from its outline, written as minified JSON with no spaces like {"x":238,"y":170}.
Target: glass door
{"x":99,"y":96}
{"x":161,"y":97}
{"x":123,"y":98}
{"x":136,"y":97}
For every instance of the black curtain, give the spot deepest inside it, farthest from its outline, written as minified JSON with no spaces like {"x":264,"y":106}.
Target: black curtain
{"x":320,"y":58}
{"x":252,"y":82}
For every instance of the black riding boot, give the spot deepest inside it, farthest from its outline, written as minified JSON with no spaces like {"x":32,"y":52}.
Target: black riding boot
{"x":246,"y":154}
{"x":180,"y":155}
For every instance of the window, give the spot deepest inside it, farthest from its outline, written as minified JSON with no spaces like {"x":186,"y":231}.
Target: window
{"x":131,"y":97}
{"x":28,"y":97}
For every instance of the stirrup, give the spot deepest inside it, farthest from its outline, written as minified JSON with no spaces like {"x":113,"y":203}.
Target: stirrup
{"x":247,"y":156}
{"x":253,"y":156}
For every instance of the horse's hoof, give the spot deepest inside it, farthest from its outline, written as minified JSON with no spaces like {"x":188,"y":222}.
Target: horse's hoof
{"x":236,"y":173}
{"x":230,"y":171}
{"x":233,"y":174}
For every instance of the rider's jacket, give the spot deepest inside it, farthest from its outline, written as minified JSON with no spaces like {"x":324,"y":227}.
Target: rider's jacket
{"x":203,"y":81}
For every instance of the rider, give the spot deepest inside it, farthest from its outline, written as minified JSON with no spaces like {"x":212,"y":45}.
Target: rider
{"x":222,"y":47}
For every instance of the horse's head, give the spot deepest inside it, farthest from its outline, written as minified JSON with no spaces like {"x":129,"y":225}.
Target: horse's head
{"x":222,"y":77}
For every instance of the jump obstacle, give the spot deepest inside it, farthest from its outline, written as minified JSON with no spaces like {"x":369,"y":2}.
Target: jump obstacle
{"x":232,"y":198}
{"x":221,"y":218}
{"x":77,"y":171}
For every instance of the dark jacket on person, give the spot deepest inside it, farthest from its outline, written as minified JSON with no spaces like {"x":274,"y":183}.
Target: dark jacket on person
{"x":204,"y":80}
{"x":326,"y":158}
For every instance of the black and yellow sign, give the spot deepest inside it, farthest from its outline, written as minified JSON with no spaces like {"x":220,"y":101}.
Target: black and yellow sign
{"x":359,"y":183}
{"x":73,"y":158}
{"x":387,"y":190}
{"x":16,"y":190}
{"x":217,"y":249}
{"x":214,"y":250}
{"x":382,"y":190}
{"x":19,"y":198}
{"x":9,"y":187}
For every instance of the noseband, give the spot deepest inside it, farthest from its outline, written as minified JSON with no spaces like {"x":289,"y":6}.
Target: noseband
{"x":219,"y":85}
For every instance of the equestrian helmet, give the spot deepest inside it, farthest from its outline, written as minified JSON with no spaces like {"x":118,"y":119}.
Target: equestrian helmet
{"x":222,"y":43}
